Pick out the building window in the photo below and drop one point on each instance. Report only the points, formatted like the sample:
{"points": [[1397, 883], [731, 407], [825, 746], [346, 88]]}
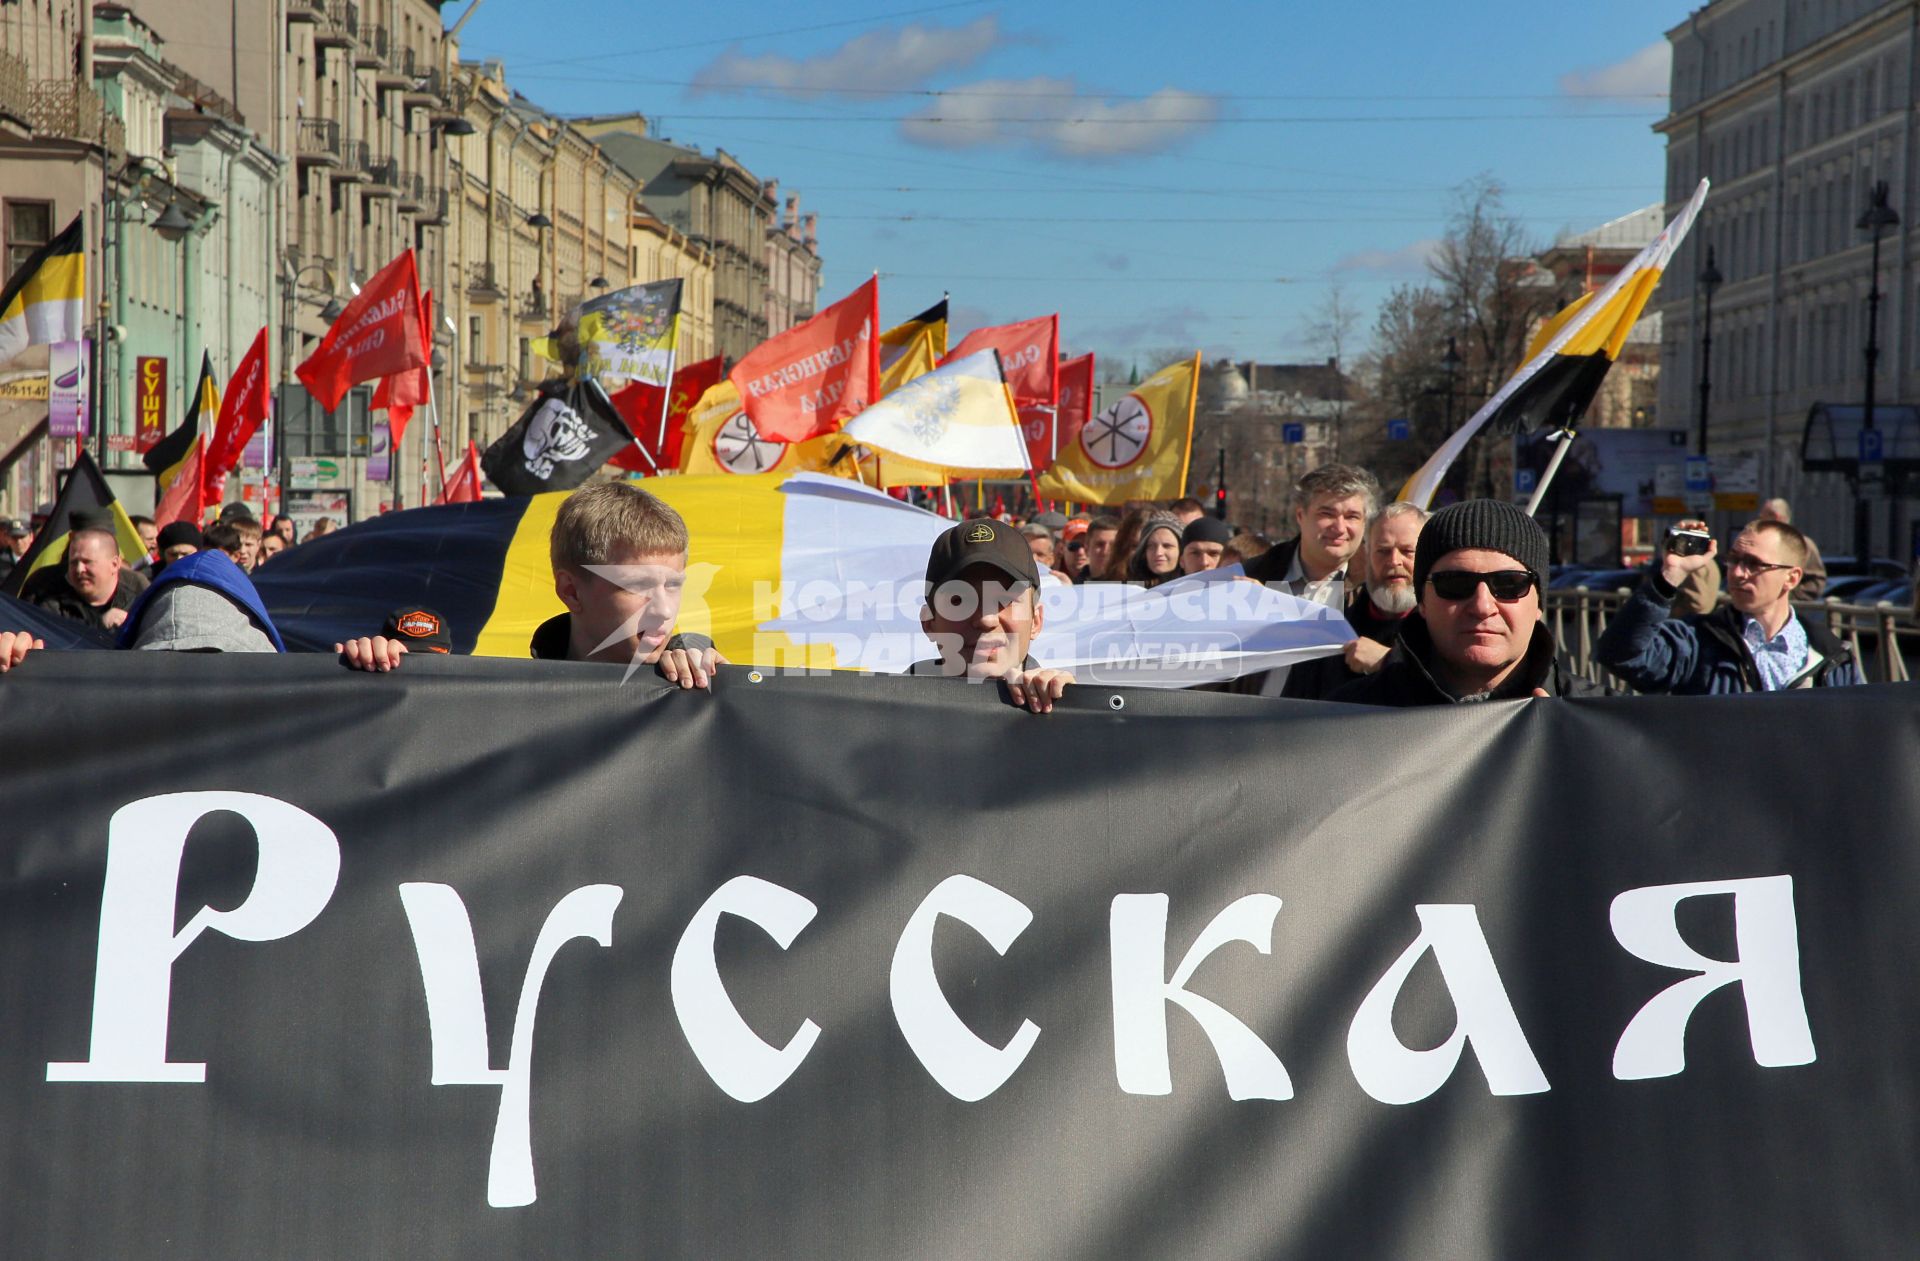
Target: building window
{"points": [[29, 226], [526, 358], [473, 339]]}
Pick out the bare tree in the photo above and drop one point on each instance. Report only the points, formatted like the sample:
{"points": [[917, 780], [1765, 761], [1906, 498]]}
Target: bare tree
{"points": [[1482, 270], [1331, 328]]}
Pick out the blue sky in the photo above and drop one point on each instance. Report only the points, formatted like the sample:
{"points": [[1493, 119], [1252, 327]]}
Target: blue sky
{"points": [[1162, 175]]}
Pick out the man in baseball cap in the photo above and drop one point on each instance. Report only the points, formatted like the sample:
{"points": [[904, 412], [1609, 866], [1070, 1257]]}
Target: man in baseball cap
{"points": [[1478, 571], [982, 611]]}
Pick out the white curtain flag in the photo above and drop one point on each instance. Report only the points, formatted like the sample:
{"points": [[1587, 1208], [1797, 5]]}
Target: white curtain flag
{"points": [[958, 417]]}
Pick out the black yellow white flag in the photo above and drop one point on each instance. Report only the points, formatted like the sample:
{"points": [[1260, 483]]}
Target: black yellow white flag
{"points": [[43, 300], [1568, 358]]}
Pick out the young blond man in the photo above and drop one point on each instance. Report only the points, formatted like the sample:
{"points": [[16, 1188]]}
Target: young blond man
{"points": [[619, 558]]}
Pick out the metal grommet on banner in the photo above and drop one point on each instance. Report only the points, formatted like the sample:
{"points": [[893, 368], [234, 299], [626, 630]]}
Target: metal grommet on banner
{"points": [[754, 676], [1116, 702]]}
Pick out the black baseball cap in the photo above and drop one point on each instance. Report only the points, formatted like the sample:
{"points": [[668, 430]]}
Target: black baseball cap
{"points": [[419, 628], [982, 542]]}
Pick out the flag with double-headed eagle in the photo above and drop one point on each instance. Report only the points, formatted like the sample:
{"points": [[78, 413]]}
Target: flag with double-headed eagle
{"points": [[632, 333]]}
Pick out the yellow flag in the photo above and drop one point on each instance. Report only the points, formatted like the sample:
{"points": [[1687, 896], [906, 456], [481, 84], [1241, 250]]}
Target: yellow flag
{"points": [[720, 439], [1135, 449], [916, 358]]}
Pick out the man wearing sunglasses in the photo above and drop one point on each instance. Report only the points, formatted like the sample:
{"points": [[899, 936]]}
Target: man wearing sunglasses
{"points": [[1478, 571], [1756, 643]]}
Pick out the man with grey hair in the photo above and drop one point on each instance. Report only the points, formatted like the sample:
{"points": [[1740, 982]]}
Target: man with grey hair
{"points": [[1330, 507], [1378, 608]]}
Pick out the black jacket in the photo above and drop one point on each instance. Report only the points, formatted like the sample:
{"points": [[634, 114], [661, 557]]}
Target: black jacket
{"points": [[1406, 678], [554, 637], [1272, 565], [1318, 679], [50, 590]]}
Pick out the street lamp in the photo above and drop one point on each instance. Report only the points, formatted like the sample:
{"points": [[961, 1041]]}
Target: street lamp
{"points": [[538, 220], [1877, 217], [1709, 280]]}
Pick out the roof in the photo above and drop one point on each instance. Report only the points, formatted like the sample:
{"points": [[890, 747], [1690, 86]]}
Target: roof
{"points": [[1631, 231]]}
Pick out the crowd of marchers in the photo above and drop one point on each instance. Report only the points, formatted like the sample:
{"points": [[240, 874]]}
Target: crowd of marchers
{"points": [[1445, 606]]}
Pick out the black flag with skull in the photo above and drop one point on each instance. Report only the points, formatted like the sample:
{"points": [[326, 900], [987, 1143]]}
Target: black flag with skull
{"points": [[565, 434]]}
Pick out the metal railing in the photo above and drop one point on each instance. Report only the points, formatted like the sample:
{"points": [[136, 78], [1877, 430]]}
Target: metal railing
{"points": [[1881, 636], [317, 138], [483, 281], [384, 172], [16, 88], [64, 108]]}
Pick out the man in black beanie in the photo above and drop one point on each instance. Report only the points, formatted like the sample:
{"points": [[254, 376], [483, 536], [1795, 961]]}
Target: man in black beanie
{"points": [[1478, 572], [1201, 544]]}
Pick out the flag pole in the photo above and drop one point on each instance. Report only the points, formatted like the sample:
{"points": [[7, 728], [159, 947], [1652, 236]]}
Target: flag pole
{"points": [[1565, 438], [666, 388], [439, 450]]}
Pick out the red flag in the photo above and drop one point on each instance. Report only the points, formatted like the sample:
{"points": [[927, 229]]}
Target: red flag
{"points": [[1076, 405], [807, 380], [242, 409], [184, 499], [1029, 355], [401, 393], [378, 335], [464, 486], [639, 406]]}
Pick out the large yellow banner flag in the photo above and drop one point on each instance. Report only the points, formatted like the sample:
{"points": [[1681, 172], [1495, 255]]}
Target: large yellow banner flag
{"points": [[1136, 448], [720, 439]]}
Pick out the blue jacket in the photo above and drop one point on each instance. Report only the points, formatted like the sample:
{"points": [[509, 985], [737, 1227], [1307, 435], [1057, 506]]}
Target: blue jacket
{"points": [[1705, 654], [215, 570]]}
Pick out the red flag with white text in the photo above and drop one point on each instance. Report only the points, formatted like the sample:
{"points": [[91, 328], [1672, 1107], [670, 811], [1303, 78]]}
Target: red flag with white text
{"points": [[639, 406], [401, 393], [1029, 356], [808, 380], [243, 407], [378, 335]]}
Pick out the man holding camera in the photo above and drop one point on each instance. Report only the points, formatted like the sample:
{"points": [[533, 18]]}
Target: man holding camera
{"points": [[1755, 644]]}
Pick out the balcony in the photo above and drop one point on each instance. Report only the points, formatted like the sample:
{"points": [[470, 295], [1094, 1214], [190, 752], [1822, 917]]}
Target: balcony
{"points": [[64, 109], [372, 40], [434, 207], [413, 192], [355, 162], [338, 25], [308, 11], [483, 283], [427, 85], [16, 90], [383, 177], [317, 142]]}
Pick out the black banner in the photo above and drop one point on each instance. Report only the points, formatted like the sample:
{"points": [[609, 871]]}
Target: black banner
{"points": [[506, 959]]}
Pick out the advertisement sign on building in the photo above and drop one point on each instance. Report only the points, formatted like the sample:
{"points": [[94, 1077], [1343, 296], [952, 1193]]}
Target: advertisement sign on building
{"points": [[150, 401], [67, 399]]}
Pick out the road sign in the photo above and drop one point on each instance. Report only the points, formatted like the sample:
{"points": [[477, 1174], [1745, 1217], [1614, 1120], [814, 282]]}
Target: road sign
{"points": [[1873, 446], [1524, 480], [1399, 430], [1293, 434], [1699, 475]]}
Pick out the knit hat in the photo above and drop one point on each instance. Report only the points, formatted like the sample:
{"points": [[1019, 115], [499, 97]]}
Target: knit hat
{"points": [[1490, 524], [177, 533], [1137, 563], [1206, 530]]}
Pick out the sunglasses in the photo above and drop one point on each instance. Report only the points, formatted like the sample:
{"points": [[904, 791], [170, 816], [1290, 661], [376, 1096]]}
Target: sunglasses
{"points": [[1506, 585], [1078, 545], [1752, 564]]}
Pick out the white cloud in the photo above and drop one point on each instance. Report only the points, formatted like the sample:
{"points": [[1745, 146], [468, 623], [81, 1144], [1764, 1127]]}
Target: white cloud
{"points": [[1058, 117], [1408, 259], [892, 60], [1644, 73]]}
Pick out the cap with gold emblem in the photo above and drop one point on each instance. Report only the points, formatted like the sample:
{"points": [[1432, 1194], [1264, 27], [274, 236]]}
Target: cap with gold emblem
{"points": [[982, 542]]}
